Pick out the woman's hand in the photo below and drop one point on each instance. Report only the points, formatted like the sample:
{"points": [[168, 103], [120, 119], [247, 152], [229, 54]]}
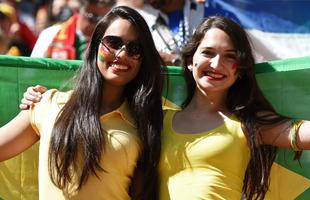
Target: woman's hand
{"points": [[31, 96]]}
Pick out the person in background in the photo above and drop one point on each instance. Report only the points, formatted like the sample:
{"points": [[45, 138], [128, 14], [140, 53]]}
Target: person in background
{"points": [[70, 39], [224, 141], [3, 41], [181, 16], [99, 140], [23, 25], [51, 12], [42, 16], [171, 23], [13, 44], [156, 19]]}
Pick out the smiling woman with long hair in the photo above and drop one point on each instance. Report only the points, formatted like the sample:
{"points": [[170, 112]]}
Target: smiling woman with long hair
{"points": [[224, 140], [95, 138]]}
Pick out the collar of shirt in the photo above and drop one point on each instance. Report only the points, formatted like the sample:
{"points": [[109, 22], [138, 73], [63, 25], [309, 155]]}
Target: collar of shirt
{"points": [[123, 110]]}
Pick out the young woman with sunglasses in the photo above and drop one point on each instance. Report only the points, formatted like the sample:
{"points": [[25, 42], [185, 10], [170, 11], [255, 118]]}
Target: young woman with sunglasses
{"points": [[224, 140], [95, 138]]}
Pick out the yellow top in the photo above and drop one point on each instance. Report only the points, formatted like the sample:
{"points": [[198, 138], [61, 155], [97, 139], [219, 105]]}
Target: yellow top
{"points": [[119, 160], [208, 165]]}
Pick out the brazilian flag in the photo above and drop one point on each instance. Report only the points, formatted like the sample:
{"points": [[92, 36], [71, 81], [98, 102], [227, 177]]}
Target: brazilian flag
{"points": [[285, 83]]}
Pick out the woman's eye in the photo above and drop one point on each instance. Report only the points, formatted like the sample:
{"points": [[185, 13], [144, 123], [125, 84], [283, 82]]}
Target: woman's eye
{"points": [[208, 54], [231, 57]]}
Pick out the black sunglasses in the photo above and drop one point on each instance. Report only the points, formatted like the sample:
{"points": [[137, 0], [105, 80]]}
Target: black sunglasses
{"points": [[115, 43]]}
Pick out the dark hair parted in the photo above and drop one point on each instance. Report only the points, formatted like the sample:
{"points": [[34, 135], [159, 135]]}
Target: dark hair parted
{"points": [[244, 99], [77, 131]]}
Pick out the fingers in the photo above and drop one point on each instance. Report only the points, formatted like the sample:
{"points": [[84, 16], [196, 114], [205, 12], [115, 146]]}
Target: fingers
{"points": [[31, 96], [24, 107], [39, 88]]}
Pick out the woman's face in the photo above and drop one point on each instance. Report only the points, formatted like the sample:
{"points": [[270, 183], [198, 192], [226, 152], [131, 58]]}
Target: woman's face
{"points": [[215, 62], [119, 53]]}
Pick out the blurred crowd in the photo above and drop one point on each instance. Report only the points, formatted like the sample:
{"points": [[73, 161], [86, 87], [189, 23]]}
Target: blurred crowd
{"points": [[61, 28]]}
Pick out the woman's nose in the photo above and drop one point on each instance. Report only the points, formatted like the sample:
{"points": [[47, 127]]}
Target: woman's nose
{"points": [[118, 53], [215, 61]]}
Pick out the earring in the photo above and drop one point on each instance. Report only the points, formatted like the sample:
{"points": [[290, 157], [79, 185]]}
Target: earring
{"points": [[195, 65]]}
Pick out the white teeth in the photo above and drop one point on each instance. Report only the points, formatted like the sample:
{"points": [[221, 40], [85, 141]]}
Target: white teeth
{"points": [[120, 67], [214, 75]]}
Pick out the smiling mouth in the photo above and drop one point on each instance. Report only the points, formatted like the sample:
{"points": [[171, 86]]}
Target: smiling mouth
{"points": [[117, 67], [214, 76]]}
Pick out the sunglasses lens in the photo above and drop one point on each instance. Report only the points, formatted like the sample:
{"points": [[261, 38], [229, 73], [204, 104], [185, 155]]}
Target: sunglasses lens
{"points": [[133, 48], [113, 42]]}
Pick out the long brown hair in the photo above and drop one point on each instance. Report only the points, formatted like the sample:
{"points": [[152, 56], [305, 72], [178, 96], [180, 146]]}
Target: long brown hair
{"points": [[77, 131], [244, 99]]}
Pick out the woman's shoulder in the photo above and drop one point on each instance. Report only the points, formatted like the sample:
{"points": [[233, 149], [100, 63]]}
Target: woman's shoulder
{"points": [[56, 96], [48, 108]]}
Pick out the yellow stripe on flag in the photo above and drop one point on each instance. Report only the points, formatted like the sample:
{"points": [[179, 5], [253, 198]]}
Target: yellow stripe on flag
{"points": [[286, 184]]}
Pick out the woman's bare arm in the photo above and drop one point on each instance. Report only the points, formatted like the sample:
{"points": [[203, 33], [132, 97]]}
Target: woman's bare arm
{"points": [[17, 136], [279, 135]]}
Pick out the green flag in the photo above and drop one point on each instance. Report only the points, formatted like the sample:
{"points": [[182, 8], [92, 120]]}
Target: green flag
{"points": [[284, 82]]}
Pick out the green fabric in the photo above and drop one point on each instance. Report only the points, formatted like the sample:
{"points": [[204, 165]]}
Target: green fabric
{"points": [[285, 83], [17, 73]]}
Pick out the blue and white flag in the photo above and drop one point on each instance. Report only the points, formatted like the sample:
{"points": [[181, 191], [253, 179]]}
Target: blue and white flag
{"points": [[279, 29]]}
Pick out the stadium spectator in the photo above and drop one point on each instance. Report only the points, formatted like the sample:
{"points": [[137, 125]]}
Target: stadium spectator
{"points": [[14, 43], [50, 12], [162, 35], [69, 39]]}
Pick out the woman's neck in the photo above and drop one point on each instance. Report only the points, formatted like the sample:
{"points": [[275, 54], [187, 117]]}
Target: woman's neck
{"points": [[112, 98], [208, 102]]}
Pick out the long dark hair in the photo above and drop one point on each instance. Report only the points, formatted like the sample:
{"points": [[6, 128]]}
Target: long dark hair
{"points": [[244, 99], [77, 131]]}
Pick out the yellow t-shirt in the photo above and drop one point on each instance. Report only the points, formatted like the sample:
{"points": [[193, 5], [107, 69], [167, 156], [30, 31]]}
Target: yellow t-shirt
{"points": [[208, 165], [119, 160]]}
